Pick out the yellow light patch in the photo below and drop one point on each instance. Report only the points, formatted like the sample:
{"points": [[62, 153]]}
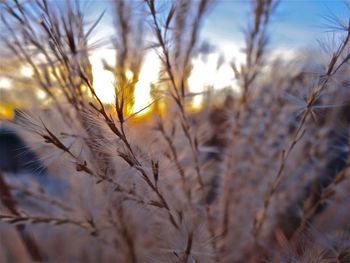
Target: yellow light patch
{"points": [[6, 111]]}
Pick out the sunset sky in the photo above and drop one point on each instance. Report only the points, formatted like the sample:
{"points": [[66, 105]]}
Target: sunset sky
{"points": [[296, 25]]}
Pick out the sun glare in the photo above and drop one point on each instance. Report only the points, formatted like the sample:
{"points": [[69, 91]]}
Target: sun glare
{"points": [[148, 75], [5, 83], [206, 74], [41, 95], [27, 71], [129, 74], [103, 79]]}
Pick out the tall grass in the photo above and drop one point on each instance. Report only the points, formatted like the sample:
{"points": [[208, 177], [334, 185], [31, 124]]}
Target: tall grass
{"points": [[260, 176]]}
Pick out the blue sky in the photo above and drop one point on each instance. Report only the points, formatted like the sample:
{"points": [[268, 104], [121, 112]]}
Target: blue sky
{"points": [[297, 24]]}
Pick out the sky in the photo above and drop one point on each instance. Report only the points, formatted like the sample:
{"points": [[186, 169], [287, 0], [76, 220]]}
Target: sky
{"points": [[297, 24]]}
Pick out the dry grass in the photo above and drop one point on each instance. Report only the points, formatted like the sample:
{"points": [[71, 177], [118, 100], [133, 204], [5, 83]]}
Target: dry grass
{"points": [[260, 176]]}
